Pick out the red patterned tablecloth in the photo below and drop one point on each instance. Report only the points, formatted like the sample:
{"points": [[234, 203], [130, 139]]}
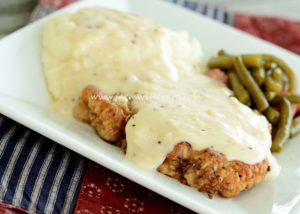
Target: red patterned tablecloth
{"points": [[104, 191], [283, 32]]}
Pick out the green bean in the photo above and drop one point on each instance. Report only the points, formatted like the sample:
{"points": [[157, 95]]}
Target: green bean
{"points": [[247, 80], [286, 69], [259, 75], [252, 60], [272, 115], [226, 62], [222, 53], [276, 100], [276, 74], [223, 62], [295, 129], [292, 98], [270, 65], [271, 85], [282, 132], [238, 89], [270, 95]]}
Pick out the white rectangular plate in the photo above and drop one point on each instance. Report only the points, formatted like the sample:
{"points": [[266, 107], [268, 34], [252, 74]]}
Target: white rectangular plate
{"points": [[24, 98]]}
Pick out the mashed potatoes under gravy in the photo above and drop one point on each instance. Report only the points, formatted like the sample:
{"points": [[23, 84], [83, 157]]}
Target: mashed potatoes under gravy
{"points": [[118, 52]]}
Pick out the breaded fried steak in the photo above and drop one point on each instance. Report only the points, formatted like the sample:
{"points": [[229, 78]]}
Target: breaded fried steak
{"points": [[207, 170]]}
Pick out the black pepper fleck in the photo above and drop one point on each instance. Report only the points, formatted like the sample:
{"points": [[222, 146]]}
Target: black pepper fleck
{"points": [[250, 148], [203, 130], [133, 125], [133, 41], [159, 142]]}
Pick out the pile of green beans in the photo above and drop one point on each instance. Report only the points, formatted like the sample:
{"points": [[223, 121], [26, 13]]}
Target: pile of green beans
{"points": [[267, 84]]}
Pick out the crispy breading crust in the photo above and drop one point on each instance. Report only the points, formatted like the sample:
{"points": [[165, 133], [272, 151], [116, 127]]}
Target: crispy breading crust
{"points": [[107, 116], [207, 170]]}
